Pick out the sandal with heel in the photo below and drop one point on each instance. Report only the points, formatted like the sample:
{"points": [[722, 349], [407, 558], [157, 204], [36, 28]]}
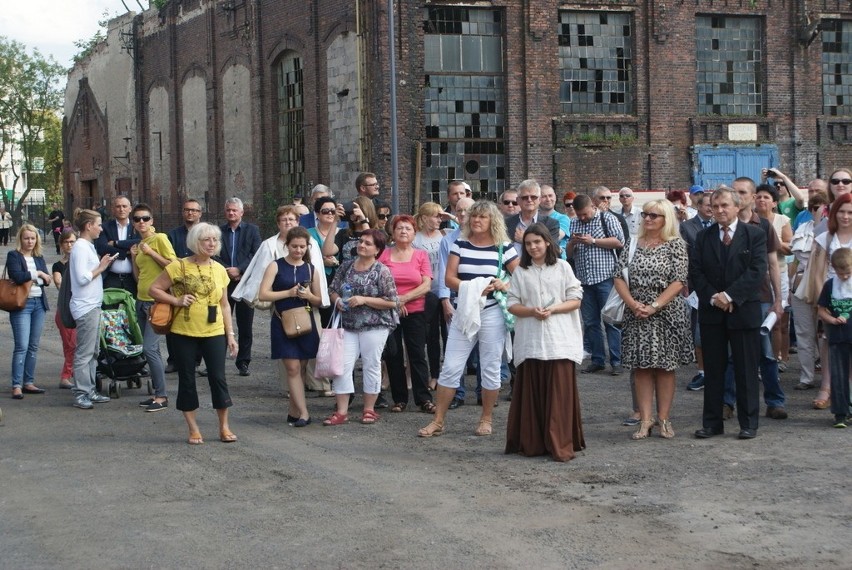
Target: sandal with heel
{"points": [[666, 429], [645, 428]]}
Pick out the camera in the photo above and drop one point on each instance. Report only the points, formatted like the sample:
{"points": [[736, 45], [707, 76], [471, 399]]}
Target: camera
{"points": [[349, 207]]}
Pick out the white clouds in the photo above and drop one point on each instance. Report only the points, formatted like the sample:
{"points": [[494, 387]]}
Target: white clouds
{"points": [[53, 26]]}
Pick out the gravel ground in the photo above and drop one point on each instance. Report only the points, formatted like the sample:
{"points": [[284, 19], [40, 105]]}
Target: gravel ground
{"points": [[119, 488]]}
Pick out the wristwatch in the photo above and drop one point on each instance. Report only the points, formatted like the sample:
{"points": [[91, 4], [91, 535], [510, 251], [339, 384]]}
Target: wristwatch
{"points": [[655, 305], [594, 241]]}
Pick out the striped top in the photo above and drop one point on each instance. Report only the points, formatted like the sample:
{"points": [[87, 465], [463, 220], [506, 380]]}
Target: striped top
{"points": [[475, 261]]}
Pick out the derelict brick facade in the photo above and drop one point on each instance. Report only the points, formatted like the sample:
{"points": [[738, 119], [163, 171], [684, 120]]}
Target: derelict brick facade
{"points": [[225, 57]]}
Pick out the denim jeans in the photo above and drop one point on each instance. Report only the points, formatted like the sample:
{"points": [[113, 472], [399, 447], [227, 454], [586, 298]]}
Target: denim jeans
{"points": [[773, 394], [26, 328], [594, 299], [151, 348]]}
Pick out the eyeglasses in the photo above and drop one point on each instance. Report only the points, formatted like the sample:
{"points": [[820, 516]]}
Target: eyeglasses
{"points": [[837, 181], [625, 195], [510, 202], [383, 216], [192, 210], [569, 204], [607, 198], [327, 211], [141, 219], [528, 198], [373, 184], [651, 215]]}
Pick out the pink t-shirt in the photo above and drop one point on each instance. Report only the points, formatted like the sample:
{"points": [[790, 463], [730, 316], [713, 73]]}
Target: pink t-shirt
{"points": [[409, 276]]}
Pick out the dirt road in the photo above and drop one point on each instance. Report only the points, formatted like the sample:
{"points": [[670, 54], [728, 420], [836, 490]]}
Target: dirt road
{"points": [[118, 488]]}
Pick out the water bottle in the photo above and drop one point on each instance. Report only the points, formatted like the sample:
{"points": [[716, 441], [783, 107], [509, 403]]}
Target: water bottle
{"points": [[346, 294]]}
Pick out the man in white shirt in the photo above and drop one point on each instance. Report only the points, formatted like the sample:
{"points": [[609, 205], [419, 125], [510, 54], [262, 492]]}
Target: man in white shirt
{"points": [[117, 237]]}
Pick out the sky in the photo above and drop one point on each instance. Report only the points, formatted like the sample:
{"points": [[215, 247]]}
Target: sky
{"points": [[53, 26]]}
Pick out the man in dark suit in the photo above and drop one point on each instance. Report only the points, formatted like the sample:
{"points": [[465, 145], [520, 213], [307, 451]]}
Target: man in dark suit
{"points": [[240, 241], [726, 268], [117, 237], [529, 196]]}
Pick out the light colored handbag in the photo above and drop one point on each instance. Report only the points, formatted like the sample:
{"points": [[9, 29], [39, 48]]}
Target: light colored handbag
{"points": [[330, 352], [613, 310]]}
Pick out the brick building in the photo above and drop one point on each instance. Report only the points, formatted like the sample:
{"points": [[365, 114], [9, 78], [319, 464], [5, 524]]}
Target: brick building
{"points": [[263, 99]]}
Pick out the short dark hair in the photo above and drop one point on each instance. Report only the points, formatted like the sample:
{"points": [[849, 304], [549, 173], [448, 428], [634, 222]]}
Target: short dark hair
{"points": [[300, 232], [581, 202], [363, 178], [769, 189], [540, 230], [141, 207], [322, 201], [379, 239]]}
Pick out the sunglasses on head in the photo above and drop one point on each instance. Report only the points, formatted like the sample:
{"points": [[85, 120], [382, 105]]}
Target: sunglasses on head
{"points": [[510, 202], [837, 181], [651, 215], [141, 218]]}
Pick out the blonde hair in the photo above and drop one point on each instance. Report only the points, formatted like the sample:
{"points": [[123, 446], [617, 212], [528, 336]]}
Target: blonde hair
{"points": [[202, 231], [427, 210], [498, 224], [670, 227], [84, 216], [29, 228]]}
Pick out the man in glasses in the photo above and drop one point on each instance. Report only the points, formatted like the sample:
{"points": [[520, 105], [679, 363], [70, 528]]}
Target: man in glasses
{"points": [[508, 203], [367, 185], [117, 237], [630, 213], [529, 200], [815, 186], [602, 197]]}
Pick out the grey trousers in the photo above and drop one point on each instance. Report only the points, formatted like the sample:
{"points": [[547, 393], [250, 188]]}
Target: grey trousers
{"points": [[86, 354]]}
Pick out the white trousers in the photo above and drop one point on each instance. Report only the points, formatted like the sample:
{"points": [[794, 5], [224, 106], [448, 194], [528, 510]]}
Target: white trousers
{"points": [[491, 336], [369, 344]]}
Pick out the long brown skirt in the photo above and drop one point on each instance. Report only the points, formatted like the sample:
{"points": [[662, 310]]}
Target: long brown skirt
{"points": [[544, 417]]}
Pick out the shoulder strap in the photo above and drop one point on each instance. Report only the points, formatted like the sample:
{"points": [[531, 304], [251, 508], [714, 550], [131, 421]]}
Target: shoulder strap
{"points": [[603, 224], [499, 259]]}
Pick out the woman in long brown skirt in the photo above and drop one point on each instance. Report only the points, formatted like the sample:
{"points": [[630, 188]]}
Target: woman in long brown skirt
{"points": [[545, 297]]}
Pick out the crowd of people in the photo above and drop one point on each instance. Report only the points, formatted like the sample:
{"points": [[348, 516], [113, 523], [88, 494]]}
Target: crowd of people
{"points": [[515, 292]]}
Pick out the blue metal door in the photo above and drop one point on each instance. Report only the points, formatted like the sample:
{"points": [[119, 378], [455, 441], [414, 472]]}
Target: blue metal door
{"points": [[721, 164]]}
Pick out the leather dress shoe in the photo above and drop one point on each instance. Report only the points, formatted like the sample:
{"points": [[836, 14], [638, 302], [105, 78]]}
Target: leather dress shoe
{"points": [[591, 368], [170, 369], [747, 433], [96, 398], [457, 402], [705, 433], [243, 368]]}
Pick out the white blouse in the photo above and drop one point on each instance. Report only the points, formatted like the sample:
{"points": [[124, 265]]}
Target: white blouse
{"points": [[558, 337]]}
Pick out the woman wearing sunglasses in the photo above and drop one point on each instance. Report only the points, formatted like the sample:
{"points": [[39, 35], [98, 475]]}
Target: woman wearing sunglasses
{"points": [[150, 256], [656, 338]]}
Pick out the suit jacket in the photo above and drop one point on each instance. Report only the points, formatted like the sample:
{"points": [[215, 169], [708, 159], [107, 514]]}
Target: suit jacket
{"points": [[739, 275], [178, 238], [689, 231], [247, 243], [110, 233], [551, 224], [16, 268]]}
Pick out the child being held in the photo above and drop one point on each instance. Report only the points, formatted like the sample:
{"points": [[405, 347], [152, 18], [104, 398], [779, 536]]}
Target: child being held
{"points": [[834, 309]]}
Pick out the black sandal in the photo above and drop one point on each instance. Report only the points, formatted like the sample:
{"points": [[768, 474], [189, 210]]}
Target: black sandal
{"points": [[427, 408]]}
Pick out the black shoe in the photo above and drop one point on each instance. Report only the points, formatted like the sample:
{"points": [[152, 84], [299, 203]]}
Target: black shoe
{"points": [[617, 370], [776, 413], [630, 421], [302, 422], [747, 433], [243, 368], [591, 368], [146, 403], [705, 433], [291, 419], [697, 383], [158, 406], [457, 402], [381, 403], [170, 369]]}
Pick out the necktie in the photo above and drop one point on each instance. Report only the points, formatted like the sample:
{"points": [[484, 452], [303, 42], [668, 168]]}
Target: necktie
{"points": [[726, 240], [707, 223]]}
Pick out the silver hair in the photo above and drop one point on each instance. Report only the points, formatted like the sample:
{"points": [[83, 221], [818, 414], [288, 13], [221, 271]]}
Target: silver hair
{"points": [[531, 184], [723, 189], [235, 201], [322, 188], [201, 231]]}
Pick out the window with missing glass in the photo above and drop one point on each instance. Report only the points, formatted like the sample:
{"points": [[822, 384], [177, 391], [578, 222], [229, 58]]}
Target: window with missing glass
{"points": [[465, 99], [729, 55], [837, 67], [291, 138], [596, 62]]}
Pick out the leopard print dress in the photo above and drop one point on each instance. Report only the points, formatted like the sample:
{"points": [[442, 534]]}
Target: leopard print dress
{"points": [[664, 340]]}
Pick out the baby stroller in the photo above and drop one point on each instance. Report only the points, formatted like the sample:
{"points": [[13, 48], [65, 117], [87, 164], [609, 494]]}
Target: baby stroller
{"points": [[120, 358]]}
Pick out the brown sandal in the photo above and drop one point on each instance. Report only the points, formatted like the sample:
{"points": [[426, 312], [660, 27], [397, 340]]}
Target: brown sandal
{"points": [[195, 438], [432, 429], [427, 408], [398, 407], [484, 428]]}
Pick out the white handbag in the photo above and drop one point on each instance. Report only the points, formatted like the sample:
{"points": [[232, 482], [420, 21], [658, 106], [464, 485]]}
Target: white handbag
{"points": [[613, 310]]}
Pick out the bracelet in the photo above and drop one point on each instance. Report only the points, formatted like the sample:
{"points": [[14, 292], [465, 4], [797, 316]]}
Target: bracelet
{"points": [[232, 333]]}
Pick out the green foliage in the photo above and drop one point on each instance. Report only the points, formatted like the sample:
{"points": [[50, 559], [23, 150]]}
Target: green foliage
{"points": [[87, 47], [30, 103], [158, 4]]}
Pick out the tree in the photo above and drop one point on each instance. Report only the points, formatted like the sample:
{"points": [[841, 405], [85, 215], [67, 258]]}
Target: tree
{"points": [[30, 101]]}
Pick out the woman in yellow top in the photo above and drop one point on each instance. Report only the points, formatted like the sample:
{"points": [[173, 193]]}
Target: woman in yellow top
{"points": [[199, 287], [149, 257]]}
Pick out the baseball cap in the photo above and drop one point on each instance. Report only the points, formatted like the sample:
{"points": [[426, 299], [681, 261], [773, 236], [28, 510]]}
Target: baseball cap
{"points": [[696, 189]]}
